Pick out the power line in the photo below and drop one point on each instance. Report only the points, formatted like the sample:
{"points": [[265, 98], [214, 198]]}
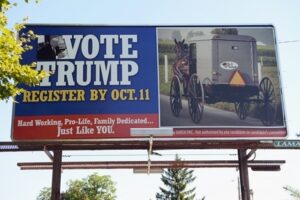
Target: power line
{"points": [[288, 41]]}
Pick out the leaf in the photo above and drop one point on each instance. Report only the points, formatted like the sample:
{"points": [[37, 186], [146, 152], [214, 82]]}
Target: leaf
{"points": [[293, 192], [12, 72]]}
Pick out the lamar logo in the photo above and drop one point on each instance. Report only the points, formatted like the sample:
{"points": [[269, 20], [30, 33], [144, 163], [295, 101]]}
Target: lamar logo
{"points": [[229, 65]]}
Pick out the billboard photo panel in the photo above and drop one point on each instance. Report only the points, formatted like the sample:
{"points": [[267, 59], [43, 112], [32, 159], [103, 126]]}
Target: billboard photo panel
{"points": [[126, 82]]}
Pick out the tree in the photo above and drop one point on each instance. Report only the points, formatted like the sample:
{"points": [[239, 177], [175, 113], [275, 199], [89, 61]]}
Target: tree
{"points": [[293, 192], [228, 31], [177, 181], [12, 72], [94, 187], [45, 194], [193, 33], [176, 34]]}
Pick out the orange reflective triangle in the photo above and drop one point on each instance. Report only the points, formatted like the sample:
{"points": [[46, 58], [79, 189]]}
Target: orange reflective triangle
{"points": [[237, 79]]}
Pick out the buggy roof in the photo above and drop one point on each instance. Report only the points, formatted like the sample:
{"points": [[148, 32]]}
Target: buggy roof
{"points": [[244, 38]]}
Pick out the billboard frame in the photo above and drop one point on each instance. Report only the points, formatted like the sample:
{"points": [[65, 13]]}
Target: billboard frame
{"points": [[160, 128]]}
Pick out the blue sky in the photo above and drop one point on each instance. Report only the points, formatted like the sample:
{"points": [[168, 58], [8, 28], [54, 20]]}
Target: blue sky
{"points": [[212, 183]]}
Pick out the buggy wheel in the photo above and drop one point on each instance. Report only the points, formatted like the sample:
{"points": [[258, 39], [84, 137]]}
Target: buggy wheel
{"points": [[175, 98], [242, 109], [195, 98], [266, 102]]}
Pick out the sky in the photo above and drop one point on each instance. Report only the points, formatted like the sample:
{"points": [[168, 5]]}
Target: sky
{"points": [[212, 183]]}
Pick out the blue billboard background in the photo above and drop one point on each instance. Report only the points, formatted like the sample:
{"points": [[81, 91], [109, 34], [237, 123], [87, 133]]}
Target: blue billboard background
{"points": [[145, 79]]}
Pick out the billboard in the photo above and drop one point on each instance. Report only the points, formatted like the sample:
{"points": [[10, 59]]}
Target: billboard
{"points": [[127, 82]]}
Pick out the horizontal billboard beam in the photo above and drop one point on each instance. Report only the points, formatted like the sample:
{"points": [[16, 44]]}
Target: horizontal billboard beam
{"points": [[144, 144], [259, 164]]}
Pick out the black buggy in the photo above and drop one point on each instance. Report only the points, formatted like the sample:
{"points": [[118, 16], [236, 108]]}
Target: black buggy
{"points": [[220, 68]]}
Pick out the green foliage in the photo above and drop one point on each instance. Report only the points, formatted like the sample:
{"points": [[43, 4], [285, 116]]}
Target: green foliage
{"points": [[164, 88], [268, 61], [266, 51], [193, 33], [266, 55], [45, 194], [166, 46], [171, 58], [12, 72], [228, 31], [94, 187], [176, 181], [176, 34], [293, 192]]}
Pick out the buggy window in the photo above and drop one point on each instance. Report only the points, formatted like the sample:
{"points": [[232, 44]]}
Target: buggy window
{"points": [[193, 58]]}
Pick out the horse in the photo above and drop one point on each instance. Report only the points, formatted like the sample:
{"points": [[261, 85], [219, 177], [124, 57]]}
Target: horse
{"points": [[181, 64]]}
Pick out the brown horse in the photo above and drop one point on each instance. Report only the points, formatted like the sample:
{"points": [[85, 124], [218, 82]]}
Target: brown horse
{"points": [[181, 64]]}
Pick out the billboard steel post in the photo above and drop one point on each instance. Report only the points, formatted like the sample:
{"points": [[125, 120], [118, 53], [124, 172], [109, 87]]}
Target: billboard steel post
{"points": [[56, 175], [244, 178]]}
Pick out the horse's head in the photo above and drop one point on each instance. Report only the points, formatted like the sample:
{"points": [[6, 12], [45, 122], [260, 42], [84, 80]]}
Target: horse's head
{"points": [[181, 48]]}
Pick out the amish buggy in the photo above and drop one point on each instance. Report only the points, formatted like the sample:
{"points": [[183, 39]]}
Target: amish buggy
{"points": [[220, 68]]}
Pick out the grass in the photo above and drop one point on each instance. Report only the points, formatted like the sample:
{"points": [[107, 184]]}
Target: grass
{"points": [[165, 87]]}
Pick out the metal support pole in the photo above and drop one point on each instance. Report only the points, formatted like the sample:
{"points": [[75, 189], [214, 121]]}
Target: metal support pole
{"points": [[149, 154], [56, 175], [244, 177], [47, 152]]}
